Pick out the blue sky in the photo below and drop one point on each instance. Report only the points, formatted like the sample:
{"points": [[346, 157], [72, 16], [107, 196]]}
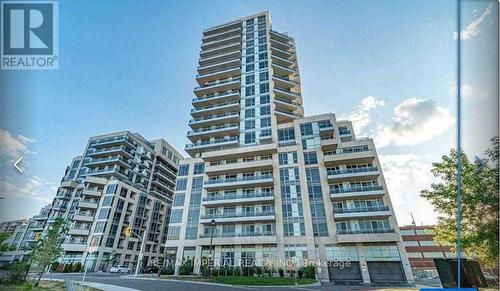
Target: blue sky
{"points": [[388, 65]]}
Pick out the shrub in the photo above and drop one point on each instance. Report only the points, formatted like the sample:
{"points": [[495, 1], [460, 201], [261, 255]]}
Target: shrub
{"points": [[77, 267], [300, 273], [168, 270], [237, 271], [309, 272], [68, 268], [259, 271], [53, 266], [186, 268], [215, 272], [17, 273], [292, 273], [281, 272], [27, 286]]}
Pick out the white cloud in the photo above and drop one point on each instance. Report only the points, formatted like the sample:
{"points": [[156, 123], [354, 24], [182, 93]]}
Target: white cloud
{"points": [[13, 146], [362, 116], [32, 187], [468, 91], [406, 175], [416, 120], [473, 28]]}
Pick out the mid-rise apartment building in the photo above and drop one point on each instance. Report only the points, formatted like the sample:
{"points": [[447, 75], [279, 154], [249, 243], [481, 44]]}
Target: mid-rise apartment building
{"points": [[121, 180], [264, 183], [11, 226]]}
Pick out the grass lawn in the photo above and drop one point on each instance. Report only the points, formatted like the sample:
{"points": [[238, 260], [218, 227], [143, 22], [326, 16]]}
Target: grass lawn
{"points": [[261, 281], [43, 286]]}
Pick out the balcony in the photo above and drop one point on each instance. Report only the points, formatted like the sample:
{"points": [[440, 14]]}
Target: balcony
{"points": [[281, 43], [233, 95], [211, 120], [79, 231], [258, 180], [88, 204], [237, 217], [242, 198], [289, 55], [354, 154], [227, 168], [220, 43], [84, 216], [41, 217], [92, 192], [107, 151], [284, 116], [282, 71], [284, 83], [353, 174], [106, 172], [223, 72], [217, 86], [106, 161], [353, 192], [74, 246], [238, 238], [217, 130], [235, 54], [213, 109], [287, 95], [222, 35], [287, 104], [369, 235], [208, 53], [280, 36], [216, 144], [284, 62], [115, 140], [362, 212], [221, 28]]}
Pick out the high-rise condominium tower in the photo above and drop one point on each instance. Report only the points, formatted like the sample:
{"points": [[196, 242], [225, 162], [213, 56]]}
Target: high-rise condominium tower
{"points": [[267, 183]]}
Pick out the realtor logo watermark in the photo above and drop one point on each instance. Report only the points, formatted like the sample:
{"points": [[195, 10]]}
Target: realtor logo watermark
{"points": [[30, 35]]}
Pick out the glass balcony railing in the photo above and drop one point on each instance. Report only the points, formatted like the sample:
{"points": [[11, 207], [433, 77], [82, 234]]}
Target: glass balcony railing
{"points": [[348, 150], [238, 196], [215, 116], [209, 143], [356, 189], [215, 83], [365, 231], [213, 128], [361, 209], [212, 96], [215, 106], [236, 215], [351, 171], [244, 234], [239, 179]]}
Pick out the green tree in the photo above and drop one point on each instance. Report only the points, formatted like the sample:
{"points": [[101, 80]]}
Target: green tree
{"points": [[48, 249], [5, 247], [479, 201]]}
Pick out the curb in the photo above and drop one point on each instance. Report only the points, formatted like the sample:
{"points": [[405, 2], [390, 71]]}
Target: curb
{"points": [[100, 286], [317, 284]]}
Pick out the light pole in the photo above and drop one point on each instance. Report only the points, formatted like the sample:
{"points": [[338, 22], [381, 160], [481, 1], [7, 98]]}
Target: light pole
{"points": [[139, 258], [212, 223]]}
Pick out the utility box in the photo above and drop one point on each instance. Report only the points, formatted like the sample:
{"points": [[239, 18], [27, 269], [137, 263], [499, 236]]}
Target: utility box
{"points": [[471, 274]]}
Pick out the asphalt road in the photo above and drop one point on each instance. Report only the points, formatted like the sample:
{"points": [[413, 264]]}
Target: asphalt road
{"points": [[154, 285]]}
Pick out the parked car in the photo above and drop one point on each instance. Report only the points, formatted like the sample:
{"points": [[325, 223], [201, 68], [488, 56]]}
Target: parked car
{"points": [[150, 269], [120, 269]]}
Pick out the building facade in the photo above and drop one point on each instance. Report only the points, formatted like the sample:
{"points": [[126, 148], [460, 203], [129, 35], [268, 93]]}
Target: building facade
{"points": [[11, 226], [422, 249], [264, 183], [121, 180]]}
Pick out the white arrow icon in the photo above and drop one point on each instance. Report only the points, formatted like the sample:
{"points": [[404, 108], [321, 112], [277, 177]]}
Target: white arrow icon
{"points": [[16, 165]]}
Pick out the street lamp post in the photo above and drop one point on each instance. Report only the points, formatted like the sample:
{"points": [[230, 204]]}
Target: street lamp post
{"points": [[139, 258], [212, 223]]}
